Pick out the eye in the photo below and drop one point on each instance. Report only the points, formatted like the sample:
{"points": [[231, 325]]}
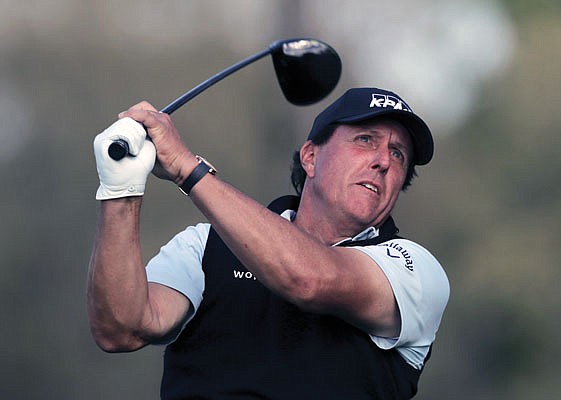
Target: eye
{"points": [[364, 138], [396, 154]]}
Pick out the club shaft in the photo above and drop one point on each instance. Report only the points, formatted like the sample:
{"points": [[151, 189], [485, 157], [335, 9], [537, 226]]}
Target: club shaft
{"points": [[174, 105], [119, 148]]}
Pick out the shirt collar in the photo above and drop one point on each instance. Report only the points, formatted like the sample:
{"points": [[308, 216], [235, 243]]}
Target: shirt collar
{"points": [[369, 233], [289, 215]]}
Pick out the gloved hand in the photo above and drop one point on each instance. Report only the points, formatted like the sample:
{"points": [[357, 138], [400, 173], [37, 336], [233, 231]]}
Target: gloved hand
{"points": [[126, 177]]}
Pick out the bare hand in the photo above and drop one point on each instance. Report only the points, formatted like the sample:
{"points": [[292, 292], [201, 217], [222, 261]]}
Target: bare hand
{"points": [[174, 159]]}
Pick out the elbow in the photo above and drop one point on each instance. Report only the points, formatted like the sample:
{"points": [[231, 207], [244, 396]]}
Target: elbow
{"points": [[305, 293], [113, 334], [108, 346], [111, 342]]}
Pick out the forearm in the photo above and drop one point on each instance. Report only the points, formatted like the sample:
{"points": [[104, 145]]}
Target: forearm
{"points": [[279, 253], [282, 256], [117, 289], [296, 265]]}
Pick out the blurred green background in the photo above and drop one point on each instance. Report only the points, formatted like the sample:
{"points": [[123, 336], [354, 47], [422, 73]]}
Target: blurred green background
{"points": [[485, 75]]}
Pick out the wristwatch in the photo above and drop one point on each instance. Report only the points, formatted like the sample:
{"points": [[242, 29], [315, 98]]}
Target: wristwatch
{"points": [[200, 170]]}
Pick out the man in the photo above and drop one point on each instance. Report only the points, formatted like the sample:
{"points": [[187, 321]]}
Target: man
{"points": [[321, 301]]}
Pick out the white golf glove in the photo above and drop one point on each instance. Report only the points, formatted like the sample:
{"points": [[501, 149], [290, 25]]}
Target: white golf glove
{"points": [[126, 177]]}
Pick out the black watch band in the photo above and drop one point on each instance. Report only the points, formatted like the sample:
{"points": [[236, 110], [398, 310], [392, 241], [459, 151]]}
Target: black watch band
{"points": [[200, 170]]}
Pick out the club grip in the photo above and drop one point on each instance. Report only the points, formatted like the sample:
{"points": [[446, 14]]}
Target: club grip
{"points": [[118, 149]]}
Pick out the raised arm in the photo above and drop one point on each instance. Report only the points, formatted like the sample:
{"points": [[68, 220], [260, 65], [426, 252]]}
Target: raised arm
{"points": [[296, 265], [125, 312]]}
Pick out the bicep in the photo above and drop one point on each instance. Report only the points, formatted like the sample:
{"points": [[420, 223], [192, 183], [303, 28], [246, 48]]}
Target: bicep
{"points": [[361, 294], [176, 283], [168, 310]]}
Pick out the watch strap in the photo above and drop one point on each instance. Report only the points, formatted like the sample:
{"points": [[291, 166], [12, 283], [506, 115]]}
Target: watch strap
{"points": [[198, 173]]}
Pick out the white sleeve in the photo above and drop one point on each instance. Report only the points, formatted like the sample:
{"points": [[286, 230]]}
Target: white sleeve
{"points": [[421, 290], [178, 265]]}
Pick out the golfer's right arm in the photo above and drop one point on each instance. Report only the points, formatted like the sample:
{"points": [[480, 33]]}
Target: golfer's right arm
{"points": [[125, 312]]}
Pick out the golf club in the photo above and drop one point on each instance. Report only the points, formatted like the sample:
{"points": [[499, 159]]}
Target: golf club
{"points": [[307, 71]]}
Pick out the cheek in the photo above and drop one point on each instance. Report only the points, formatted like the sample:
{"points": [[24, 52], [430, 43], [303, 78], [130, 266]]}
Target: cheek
{"points": [[325, 164], [398, 179]]}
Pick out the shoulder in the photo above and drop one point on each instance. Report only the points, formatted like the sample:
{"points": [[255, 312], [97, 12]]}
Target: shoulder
{"points": [[194, 236], [404, 256], [418, 280], [178, 263], [412, 268]]}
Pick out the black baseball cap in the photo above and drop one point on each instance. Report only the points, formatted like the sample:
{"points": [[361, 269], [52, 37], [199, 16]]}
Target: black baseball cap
{"points": [[361, 104]]}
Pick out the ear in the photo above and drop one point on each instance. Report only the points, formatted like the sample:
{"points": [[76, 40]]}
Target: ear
{"points": [[308, 153]]}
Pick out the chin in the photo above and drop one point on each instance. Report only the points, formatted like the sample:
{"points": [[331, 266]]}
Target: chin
{"points": [[366, 221]]}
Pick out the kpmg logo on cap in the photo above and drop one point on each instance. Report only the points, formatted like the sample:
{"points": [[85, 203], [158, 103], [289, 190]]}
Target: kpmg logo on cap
{"points": [[385, 101]]}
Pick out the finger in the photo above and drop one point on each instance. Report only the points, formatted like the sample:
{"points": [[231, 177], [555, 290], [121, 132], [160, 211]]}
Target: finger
{"points": [[147, 155], [147, 116], [126, 129], [139, 111], [143, 105]]}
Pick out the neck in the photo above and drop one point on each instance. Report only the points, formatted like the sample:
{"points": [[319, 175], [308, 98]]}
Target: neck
{"points": [[318, 229], [324, 224]]}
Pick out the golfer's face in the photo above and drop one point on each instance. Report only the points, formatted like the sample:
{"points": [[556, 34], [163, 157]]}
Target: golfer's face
{"points": [[361, 169]]}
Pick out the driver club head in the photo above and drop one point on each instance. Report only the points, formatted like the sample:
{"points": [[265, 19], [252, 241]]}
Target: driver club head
{"points": [[307, 69]]}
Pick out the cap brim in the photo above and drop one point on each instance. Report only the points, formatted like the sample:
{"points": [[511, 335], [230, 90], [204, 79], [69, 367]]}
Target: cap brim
{"points": [[419, 131]]}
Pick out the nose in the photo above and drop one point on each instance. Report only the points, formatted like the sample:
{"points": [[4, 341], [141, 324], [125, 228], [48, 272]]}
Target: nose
{"points": [[381, 161]]}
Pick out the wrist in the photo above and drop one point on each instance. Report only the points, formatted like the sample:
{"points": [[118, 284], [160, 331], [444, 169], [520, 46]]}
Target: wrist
{"points": [[191, 162], [202, 168], [107, 192]]}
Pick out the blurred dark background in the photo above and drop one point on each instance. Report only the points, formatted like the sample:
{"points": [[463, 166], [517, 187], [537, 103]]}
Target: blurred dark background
{"points": [[485, 75]]}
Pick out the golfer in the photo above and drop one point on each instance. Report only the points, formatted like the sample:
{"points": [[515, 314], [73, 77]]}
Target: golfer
{"points": [[313, 297]]}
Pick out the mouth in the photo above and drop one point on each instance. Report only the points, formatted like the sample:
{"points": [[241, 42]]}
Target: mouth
{"points": [[370, 187]]}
